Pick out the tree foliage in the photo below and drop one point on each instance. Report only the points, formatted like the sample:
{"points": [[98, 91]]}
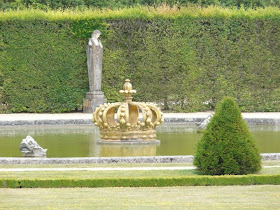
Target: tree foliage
{"points": [[186, 60], [227, 146], [82, 4]]}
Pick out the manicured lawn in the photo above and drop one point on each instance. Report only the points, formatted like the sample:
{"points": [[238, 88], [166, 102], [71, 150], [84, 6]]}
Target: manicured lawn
{"points": [[221, 197], [198, 197], [112, 174], [94, 174], [112, 165]]}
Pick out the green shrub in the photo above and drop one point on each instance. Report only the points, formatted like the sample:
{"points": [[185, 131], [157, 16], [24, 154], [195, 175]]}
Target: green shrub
{"points": [[39, 74], [227, 146], [62, 4], [185, 59], [143, 182]]}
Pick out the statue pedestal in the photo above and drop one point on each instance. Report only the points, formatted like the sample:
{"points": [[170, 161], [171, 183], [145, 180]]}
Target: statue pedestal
{"points": [[93, 100]]}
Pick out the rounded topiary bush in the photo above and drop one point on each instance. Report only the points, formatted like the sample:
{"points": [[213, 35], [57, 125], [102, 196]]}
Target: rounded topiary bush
{"points": [[227, 146]]}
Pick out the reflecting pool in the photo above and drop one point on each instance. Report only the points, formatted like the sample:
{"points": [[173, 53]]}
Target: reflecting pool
{"points": [[80, 141]]}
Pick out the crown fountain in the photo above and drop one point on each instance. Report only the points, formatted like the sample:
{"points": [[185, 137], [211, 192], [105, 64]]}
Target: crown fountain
{"points": [[128, 122]]}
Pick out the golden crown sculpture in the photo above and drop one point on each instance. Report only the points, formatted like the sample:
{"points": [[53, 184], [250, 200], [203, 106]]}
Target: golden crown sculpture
{"points": [[128, 121]]}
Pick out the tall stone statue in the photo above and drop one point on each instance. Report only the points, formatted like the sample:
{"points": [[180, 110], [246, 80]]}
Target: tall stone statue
{"points": [[95, 96]]}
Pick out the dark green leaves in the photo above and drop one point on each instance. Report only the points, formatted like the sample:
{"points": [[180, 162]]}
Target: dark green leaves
{"points": [[227, 146]]}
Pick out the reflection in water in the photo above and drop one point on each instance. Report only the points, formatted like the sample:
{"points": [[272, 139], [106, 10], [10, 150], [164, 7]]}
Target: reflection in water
{"points": [[80, 141], [107, 150]]}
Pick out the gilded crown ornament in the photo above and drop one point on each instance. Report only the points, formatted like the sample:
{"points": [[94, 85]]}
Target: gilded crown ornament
{"points": [[128, 121]]}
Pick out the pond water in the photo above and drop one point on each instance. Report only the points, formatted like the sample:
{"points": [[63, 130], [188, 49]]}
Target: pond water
{"points": [[80, 141]]}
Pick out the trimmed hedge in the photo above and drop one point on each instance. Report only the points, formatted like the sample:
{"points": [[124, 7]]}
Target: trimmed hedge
{"points": [[80, 4], [146, 182], [186, 59], [227, 146]]}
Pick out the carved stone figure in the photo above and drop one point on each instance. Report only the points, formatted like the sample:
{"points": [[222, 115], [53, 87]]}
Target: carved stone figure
{"points": [[30, 148], [202, 126], [95, 96]]}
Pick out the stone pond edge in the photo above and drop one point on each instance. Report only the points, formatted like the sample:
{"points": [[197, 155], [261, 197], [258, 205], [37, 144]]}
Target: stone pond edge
{"points": [[167, 120], [112, 160]]}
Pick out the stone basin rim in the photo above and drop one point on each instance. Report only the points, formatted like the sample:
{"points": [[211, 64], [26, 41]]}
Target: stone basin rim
{"points": [[113, 160], [23, 119]]}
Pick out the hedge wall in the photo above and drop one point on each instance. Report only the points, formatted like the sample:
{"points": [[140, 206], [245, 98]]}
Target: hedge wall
{"points": [[81, 4], [186, 59], [144, 182]]}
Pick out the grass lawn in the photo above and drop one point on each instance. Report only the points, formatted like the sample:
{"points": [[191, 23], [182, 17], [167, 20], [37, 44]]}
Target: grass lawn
{"points": [[222, 197], [198, 197], [113, 174], [112, 165]]}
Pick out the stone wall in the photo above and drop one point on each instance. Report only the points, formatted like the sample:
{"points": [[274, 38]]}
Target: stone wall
{"points": [[115, 160]]}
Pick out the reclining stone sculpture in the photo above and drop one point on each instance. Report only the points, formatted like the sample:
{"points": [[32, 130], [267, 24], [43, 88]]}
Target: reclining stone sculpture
{"points": [[30, 148]]}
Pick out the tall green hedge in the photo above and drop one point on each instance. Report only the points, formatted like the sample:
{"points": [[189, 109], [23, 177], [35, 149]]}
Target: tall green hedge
{"points": [[185, 59], [81, 4]]}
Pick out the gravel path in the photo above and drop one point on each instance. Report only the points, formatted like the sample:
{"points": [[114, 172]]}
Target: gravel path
{"points": [[98, 169]]}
